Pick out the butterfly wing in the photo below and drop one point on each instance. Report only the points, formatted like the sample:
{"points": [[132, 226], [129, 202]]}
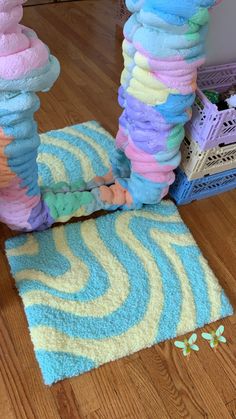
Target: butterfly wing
{"points": [[220, 331], [179, 344], [195, 347], [222, 339], [206, 336], [192, 339]]}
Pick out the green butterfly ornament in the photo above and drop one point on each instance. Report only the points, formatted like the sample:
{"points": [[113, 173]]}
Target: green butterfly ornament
{"points": [[215, 337], [188, 345]]}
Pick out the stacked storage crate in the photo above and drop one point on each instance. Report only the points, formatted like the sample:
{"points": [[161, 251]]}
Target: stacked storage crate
{"points": [[209, 150]]}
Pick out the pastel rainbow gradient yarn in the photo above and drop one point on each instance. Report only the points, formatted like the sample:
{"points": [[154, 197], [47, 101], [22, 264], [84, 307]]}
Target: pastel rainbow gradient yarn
{"points": [[27, 67], [163, 47], [110, 286]]}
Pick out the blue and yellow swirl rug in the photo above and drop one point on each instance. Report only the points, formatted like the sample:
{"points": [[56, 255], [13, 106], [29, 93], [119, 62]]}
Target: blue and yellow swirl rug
{"points": [[102, 289]]}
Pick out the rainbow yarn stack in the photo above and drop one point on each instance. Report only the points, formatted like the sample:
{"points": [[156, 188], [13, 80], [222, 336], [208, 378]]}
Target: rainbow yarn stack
{"points": [[163, 47], [26, 67]]}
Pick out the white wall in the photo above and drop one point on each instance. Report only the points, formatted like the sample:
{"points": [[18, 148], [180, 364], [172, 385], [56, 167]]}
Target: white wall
{"points": [[221, 46]]}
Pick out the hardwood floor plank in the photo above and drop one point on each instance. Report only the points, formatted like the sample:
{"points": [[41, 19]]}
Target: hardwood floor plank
{"points": [[96, 415], [65, 400], [114, 388], [179, 395], [206, 389], [231, 406], [212, 228], [85, 394], [220, 367], [7, 408], [11, 380], [142, 382]]}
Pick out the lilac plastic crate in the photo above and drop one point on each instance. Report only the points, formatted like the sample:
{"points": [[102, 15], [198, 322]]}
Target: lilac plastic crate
{"points": [[210, 127], [184, 191]]}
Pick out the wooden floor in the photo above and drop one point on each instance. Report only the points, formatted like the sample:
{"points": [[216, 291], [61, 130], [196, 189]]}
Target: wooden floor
{"points": [[155, 383]]}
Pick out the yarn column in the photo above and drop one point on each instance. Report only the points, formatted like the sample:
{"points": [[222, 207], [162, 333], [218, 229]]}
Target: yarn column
{"points": [[26, 67], [163, 47]]}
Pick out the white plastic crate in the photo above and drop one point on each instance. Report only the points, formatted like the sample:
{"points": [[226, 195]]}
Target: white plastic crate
{"points": [[210, 127], [197, 163]]}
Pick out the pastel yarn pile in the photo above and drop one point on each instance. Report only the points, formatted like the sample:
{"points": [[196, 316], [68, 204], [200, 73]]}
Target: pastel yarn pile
{"points": [[163, 47], [26, 67]]}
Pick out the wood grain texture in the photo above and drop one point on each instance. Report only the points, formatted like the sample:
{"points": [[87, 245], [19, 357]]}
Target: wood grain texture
{"points": [[154, 383], [38, 2]]}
